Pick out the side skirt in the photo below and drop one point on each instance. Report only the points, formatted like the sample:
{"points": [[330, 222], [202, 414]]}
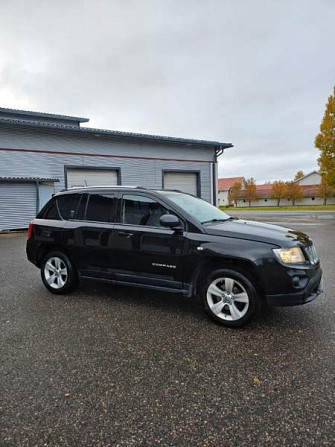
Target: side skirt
{"points": [[185, 292]]}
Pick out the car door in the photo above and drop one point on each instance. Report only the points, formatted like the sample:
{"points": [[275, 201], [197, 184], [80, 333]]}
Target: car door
{"points": [[88, 235], [145, 252]]}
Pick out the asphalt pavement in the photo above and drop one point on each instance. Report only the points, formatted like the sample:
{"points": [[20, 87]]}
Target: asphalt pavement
{"points": [[117, 366]]}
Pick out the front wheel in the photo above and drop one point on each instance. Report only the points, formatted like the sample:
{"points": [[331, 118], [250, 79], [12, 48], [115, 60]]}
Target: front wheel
{"points": [[230, 298], [58, 273]]}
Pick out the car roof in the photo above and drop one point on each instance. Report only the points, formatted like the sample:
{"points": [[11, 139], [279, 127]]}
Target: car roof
{"points": [[114, 187]]}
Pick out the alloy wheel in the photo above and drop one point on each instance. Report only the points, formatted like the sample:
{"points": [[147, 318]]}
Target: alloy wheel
{"points": [[227, 299], [55, 272]]}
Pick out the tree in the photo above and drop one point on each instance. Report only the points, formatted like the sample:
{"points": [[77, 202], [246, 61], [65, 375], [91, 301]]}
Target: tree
{"points": [[235, 192], [250, 192], [293, 192], [325, 191], [279, 191], [325, 142], [298, 175]]}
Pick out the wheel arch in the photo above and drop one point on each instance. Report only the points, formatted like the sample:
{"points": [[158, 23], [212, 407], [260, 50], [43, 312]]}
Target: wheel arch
{"points": [[44, 249], [245, 267]]}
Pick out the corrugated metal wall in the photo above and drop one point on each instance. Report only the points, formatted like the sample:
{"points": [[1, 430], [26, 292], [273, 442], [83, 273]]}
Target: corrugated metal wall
{"points": [[147, 173], [17, 205], [142, 172], [42, 139]]}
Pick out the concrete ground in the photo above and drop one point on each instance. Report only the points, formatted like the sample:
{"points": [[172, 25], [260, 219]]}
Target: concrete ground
{"points": [[116, 366]]}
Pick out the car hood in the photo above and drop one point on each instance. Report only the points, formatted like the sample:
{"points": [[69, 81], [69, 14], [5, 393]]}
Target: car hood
{"points": [[258, 231]]}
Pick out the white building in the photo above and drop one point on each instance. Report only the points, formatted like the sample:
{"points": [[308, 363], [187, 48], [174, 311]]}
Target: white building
{"points": [[309, 184], [224, 187]]}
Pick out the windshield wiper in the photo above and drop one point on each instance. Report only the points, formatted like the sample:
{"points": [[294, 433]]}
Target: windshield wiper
{"points": [[217, 220]]}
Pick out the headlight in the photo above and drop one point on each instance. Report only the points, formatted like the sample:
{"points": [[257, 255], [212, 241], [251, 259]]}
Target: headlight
{"points": [[291, 255]]}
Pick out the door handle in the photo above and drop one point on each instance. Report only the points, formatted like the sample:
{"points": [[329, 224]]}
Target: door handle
{"points": [[125, 234]]}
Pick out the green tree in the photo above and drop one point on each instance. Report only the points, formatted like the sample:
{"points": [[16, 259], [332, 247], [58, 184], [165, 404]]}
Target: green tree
{"points": [[325, 142], [293, 192], [279, 191], [235, 192], [325, 191], [298, 175], [250, 192]]}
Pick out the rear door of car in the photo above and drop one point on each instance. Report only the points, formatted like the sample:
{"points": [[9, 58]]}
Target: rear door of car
{"points": [[88, 233]]}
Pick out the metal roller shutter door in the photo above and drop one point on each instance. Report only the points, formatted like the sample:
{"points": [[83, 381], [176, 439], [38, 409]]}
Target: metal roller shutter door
{"points": [[91, 177], [183, 181], [17, 205]]}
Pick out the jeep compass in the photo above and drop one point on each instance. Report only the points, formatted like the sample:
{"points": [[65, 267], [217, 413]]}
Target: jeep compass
{"points": [[173, 242]]}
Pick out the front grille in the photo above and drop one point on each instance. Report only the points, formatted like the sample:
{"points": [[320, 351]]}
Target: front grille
{"points": [[311, 254]]}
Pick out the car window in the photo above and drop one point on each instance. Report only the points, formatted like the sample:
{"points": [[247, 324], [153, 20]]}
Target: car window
{"points": [[67, 205], [201, 210], [81, 209], [52, 211], [101, 208], [140, 210]]}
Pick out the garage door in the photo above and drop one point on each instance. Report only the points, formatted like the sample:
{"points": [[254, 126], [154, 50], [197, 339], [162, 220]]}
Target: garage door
{"points": [[183, 181], [91, 177], [17, 205]]}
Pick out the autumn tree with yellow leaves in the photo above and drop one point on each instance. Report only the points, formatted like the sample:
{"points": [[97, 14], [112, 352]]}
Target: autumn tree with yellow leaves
{"points": [[278, 191], [325, 142], [250, 192], [293, 192]]}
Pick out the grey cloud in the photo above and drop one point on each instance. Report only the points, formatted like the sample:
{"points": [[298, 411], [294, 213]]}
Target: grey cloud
{"points": [[256, 74]]}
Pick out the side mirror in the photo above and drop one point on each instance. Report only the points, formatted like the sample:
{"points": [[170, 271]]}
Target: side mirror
{"points": [[170, 221]]}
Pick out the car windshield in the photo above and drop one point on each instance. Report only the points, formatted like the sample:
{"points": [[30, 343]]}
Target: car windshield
{"points": [[201, 210]]}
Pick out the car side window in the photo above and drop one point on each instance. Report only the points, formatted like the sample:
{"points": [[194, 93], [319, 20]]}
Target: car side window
{"points": [[51, 212], [101, 208], [140, 210], [67, 205], [81, 209]]}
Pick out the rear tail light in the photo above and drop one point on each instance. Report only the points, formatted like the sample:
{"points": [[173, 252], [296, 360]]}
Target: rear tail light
{"points": [[30, 229]]}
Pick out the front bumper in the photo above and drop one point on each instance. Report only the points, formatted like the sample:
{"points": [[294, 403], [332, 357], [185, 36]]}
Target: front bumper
{"points": [[312, 290]]}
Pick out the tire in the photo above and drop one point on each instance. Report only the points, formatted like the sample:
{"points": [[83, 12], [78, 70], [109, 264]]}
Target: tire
{"points": [[58, 273], [230, 298]]}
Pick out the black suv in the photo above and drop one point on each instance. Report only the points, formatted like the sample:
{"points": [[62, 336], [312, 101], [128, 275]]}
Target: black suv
{"points": [[172, 242]]}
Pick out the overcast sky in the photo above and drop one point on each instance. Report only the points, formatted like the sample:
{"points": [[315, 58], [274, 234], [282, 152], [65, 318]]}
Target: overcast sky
{"points": [[253, 73]]}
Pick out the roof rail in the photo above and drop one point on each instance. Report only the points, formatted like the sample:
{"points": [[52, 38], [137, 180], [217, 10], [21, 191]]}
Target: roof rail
{"points": [[103, 186]]}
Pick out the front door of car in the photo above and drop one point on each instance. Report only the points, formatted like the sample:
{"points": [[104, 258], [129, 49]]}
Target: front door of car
{"points": [[144, 251]]}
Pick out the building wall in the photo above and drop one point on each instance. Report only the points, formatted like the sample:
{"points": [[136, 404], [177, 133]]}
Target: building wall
{"points": [[313, 179], [285, 202], [44, 153], [223, 199]]}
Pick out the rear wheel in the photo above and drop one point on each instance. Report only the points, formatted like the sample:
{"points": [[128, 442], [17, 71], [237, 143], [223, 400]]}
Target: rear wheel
{"points": [[230, 298], [58, 273]]}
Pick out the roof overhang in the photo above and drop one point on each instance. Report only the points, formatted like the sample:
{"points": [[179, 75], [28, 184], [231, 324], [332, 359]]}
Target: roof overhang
{"points": [[22, 179], [43, 115]]}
